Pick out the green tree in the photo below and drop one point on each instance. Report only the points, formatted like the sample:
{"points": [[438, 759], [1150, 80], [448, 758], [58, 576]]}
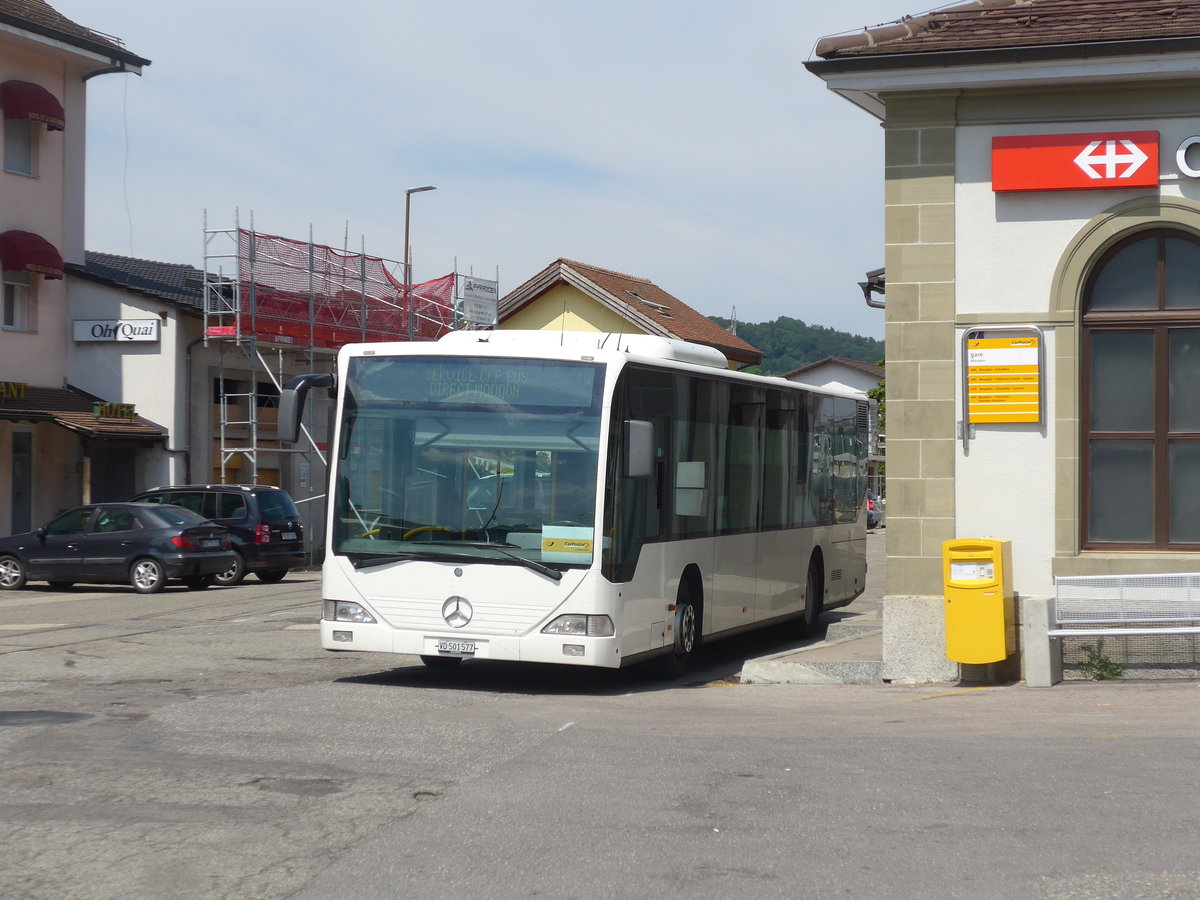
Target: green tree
{"points": [[788, 344]]}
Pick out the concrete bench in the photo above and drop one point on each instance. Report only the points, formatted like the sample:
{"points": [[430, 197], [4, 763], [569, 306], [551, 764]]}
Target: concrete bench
{"points": [[1103, 606]]}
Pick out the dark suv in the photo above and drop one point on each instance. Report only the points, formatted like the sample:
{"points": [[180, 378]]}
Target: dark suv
{"points": [[263, 524]]}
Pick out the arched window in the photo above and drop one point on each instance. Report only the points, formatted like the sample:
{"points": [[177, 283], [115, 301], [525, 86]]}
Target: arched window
{"points": [[1141, 395]]}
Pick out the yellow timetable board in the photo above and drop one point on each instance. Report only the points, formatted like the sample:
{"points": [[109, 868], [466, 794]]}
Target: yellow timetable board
{"points": [[1003, 379]]}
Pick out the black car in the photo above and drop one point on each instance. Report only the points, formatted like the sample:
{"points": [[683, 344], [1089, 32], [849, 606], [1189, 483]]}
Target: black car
{"points": [[267, 534], [118, 543]]}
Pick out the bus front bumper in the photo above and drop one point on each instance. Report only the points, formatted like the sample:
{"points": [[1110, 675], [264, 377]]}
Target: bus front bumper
{"points": [[544, 648]]}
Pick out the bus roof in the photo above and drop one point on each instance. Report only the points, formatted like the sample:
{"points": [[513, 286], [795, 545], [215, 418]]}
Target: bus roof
{"points": [[638, 344], [643, 347]]}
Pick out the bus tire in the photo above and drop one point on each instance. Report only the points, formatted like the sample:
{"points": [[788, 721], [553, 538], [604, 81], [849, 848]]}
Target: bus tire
{"points": [[686, 635], [814, 597]]}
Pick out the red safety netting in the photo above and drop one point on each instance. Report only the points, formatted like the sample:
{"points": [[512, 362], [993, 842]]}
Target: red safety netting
{"points": [[294, 292]]}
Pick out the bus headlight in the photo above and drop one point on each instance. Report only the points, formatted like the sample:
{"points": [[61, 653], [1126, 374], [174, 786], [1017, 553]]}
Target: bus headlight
{"points": [[592, 626], [341, 611]]}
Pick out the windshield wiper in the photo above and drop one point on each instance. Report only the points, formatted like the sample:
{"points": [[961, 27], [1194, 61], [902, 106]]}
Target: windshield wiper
{"points": [[478, 545], [499, 548], [363, 562]]}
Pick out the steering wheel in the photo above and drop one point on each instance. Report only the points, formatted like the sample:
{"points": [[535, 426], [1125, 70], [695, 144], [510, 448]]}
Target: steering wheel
{"points": [[423, 528]]}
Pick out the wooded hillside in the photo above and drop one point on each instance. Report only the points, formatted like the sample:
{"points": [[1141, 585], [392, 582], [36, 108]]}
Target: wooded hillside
{"points": [[788, 343]]}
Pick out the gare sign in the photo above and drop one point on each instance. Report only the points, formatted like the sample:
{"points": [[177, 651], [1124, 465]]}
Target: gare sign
{"points": [[1063, 162]]}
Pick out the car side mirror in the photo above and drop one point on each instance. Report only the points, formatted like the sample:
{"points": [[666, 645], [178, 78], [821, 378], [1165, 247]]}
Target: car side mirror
{"points": [[41, 533]]}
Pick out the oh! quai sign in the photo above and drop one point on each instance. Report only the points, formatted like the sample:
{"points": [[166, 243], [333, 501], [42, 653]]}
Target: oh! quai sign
{"points": [[116, 329]]}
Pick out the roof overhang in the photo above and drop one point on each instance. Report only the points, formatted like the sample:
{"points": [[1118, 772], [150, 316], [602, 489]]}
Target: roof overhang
{"points": [[75, 411], [94, 56], [865, 80]]}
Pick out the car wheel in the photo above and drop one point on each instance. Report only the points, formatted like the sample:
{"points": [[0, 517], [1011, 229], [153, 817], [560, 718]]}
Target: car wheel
{"points": [[686, 631], [235, 573], [12, 573], [441, 662], [62, 585], [199, 582], [147, 575], [271, 576]]}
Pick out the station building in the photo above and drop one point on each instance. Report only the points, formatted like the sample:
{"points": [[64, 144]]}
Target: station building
{"points": [[1042, 258]]}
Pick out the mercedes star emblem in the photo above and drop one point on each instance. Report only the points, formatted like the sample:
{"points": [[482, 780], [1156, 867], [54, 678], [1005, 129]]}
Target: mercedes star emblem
{"points": [[457, 611]]}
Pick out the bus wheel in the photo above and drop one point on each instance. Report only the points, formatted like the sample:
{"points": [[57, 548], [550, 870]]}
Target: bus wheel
{"points": [[687, 630], [441, 662], [814, 600]]}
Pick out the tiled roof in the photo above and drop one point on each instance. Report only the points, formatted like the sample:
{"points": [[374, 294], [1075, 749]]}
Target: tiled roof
{"points": [[176, 283], [41, 18], [74, 409], [865, 368], [1008, 24], [643, 303]]}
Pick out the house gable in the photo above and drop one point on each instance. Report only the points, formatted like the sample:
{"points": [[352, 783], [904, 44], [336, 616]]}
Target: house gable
{"points": [[577, 297]]}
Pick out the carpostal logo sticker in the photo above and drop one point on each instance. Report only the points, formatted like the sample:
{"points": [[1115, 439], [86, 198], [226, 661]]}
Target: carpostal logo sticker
{"points": [[566, 545]]}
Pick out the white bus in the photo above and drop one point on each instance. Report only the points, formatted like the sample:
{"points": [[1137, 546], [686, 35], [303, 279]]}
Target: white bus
{"points": [[589, 499]]}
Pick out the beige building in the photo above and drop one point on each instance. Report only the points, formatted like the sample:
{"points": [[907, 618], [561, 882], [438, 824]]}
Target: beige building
{"points": [[1042, 227], [54, 436], [573, 296]]}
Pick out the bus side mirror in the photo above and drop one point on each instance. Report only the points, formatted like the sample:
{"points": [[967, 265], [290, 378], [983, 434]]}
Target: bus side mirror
{"points": [[291, 403], [639, 448]]}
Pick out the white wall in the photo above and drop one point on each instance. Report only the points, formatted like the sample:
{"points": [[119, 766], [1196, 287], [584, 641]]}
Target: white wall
{"points": [[842, 374]]}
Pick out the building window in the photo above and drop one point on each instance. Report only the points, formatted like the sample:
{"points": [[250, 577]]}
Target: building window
{"points": [[1141, 408], [20, 310], [20, 138]]}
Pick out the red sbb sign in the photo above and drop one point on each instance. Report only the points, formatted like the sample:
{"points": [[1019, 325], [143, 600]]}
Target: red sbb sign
{"points": [[1072, 162]]}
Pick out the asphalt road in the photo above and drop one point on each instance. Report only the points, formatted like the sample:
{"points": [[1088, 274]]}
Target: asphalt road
{"points": [[199, 744]]}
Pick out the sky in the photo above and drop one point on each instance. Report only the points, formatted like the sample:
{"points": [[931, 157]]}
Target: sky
{"points": [[682, 141]]}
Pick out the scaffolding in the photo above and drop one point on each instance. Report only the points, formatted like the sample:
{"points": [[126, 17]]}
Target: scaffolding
{"points": [[270, 296]]}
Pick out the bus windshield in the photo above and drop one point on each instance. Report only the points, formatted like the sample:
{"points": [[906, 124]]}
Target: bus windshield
{"points": [[468, 459]]}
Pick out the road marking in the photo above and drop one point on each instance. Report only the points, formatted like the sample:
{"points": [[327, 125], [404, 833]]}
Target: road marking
{"points": [[303, 628], [32, 627], [10, 602], [946, 694]]}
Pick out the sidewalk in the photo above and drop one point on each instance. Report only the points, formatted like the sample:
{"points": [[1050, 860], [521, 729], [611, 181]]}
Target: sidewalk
{"points": [[851, 651]]}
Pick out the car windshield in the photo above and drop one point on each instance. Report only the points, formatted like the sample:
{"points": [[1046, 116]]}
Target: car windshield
{"points": [[496, 457]]}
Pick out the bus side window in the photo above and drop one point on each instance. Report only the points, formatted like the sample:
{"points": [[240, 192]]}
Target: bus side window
{"points": [[701, 403], [802, 511], [743, 472], [780, 424]]}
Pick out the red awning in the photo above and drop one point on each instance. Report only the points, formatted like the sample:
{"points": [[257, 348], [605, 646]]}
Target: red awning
{"points": [[25, 100], [23, 251]]}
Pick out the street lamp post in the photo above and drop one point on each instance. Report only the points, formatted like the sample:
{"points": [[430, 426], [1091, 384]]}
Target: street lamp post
{"points": [[407, 264]]}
